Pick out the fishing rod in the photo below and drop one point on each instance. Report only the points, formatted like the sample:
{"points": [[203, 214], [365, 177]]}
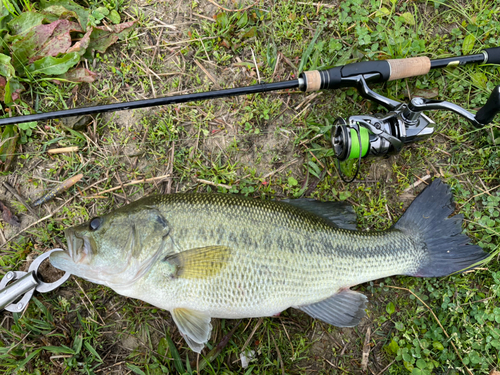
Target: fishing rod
{"points": [[376, 135]]}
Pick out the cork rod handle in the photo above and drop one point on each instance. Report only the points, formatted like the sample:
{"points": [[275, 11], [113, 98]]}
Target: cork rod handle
{"points": [[411, 67]]}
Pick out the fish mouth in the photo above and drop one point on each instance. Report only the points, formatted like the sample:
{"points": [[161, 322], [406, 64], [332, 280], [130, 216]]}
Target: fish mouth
{"points": [[79, 248]]}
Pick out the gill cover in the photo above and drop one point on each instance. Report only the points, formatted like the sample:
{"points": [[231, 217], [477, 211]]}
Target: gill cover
{"points": [[117, 250]]}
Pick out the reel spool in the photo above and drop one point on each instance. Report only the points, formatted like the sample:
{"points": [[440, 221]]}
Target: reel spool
{"points": [[360, 137], [347, 151]]}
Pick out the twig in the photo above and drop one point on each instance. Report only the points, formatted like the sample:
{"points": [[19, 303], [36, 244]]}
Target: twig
{"points": [[366, 350], [444, 152], [432, 166], [477, 195], [134, 182], [319, 162], [485, 188], [207, 73], [386, 367], [290, 341], [318, 5], [233, 10], [256, 66], [85, 294], [437, 320], [28, 227], [20, 199], [259, 322], [280, 168], [185, 41], [62, 150], [476, 269], [279, 356], [338, 368], [416, 183], [205, 17], [213, 183], [308, 99], [107, 368]]}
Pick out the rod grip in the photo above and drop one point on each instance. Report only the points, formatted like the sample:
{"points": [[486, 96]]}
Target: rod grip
{"points": [[315, 80], [493, 55], [411, 67]]}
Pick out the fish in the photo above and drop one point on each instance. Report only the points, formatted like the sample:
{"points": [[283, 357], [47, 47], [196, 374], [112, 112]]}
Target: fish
{"points": [[203, 256]]}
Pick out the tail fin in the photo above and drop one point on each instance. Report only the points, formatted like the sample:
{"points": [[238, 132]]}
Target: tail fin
{"points": [[448, 250]]}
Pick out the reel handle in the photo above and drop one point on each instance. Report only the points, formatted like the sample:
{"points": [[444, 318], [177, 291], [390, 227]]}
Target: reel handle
{"points": [[484, 116], [488, 112]]}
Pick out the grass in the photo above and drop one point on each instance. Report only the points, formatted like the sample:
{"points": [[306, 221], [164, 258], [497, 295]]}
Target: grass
{"points": [[264, 146]]}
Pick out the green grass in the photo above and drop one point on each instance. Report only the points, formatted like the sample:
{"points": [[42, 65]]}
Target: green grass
{"points": [[261, 146]]}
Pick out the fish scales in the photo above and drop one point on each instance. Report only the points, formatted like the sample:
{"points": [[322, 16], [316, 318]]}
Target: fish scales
{"points": [[224, 256], [281, 255]]}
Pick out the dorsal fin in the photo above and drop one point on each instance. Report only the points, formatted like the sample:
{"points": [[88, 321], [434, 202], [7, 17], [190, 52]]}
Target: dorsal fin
{"points": [[339, 213]]}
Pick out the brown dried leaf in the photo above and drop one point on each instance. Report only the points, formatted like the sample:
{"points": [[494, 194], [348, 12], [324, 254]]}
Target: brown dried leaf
{"points": [[8, 217], [426, 94], [104, 36], [82, 44], [59, 41], [79, 75]]}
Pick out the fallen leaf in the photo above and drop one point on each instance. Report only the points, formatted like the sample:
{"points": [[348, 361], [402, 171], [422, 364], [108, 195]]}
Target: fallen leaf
{"points": [[29, 45], [60, 40], [426, 94], [79, 75], [8, 217], [25, 22], [81, 12], [104, 36], [56, 12], [82, 44]]}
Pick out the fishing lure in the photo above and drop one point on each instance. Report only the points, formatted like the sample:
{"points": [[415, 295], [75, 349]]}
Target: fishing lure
{"points": [[58, 189]]}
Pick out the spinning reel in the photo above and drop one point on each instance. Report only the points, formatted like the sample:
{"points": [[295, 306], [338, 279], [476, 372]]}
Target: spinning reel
{"points": [[382, 135]]}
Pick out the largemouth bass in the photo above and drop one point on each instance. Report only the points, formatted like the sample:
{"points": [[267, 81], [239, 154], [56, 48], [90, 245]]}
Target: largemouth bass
{"points": [[204, 256]]}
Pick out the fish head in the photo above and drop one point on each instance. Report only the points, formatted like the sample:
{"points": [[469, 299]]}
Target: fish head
{"points": [[115, 249]]}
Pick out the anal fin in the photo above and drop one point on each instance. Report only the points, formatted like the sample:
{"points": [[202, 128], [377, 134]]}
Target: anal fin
{"points": [[344, 309], [194, 326]]}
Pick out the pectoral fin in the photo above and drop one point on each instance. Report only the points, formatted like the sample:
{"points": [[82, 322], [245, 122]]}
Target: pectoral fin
{"points": [[200, 263], [344, 309], [194, 326]]}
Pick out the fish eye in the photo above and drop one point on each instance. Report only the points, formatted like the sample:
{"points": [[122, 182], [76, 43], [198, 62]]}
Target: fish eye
{"points": [[95, 223]]}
